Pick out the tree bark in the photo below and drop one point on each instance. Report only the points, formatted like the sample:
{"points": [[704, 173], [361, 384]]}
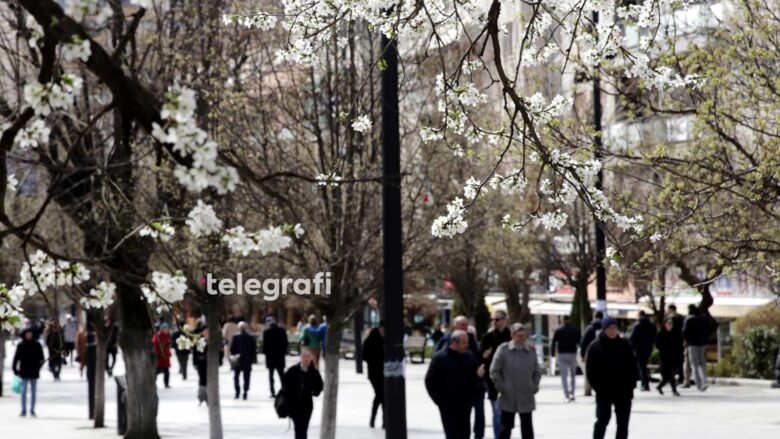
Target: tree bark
{"points": [[580, 307], [135, 340], [213, 310], [2, 360], [100, 369], [331, 378]]}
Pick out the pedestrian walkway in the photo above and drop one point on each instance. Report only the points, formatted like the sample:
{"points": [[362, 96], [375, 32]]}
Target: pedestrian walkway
{"points": [[719, 413]]}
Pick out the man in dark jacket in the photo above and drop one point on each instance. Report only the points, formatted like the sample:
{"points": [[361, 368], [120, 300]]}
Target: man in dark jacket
{"points": [[564, 345], [490, 343], [182, 353], [451, 381], [275, 349], [642, 339], [299, 384], [243, 349], [610, 366], [374, 356], [461, 323], [587, 338], [696, 331], [678, 343], [27, 363]]}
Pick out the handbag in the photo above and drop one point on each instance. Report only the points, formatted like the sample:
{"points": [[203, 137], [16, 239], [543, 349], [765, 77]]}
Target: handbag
{"points": [[235, 361], [280, 404], [16, 385]]}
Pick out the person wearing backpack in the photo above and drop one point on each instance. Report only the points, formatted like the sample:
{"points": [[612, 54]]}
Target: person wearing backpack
{"points": [[299, 384]]}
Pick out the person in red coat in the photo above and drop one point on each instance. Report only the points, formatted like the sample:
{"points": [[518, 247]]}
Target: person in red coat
{"points": [[162, 349]]}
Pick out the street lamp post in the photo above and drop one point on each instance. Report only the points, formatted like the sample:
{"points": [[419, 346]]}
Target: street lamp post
{"points": [[395, 392], [601, 245]]}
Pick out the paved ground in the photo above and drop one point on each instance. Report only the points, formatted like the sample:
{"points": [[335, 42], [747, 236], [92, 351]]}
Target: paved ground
{"points": [[719, 413]]}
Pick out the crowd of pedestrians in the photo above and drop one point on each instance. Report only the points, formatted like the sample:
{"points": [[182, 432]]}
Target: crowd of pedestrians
{"points": [[503, 367]]}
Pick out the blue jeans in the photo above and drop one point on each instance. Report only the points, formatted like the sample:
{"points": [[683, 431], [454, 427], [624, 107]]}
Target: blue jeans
{"points": [[496, 418], [32, 383], [479, 415]]}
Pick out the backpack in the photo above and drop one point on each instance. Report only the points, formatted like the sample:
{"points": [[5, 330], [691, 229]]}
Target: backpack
{"points": [[281, 406]]}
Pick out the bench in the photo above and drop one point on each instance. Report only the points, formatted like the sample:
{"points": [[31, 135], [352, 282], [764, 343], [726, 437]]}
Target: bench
{"points": [[415, 348]]}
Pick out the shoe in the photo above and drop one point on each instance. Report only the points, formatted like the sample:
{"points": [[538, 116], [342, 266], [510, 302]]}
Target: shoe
{"points": [[22, 415], [237, 395], [686, 386], [704, 388], [371, 423], [32, 413], [660, 390], [244, 396], [676, 393], [572, 399]]}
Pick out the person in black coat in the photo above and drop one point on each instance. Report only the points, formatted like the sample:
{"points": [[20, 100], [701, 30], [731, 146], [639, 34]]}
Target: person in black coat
{"points": [[667, 354], [678, 344], [275, 349], [182, 353], [451, 382], [498, 335], [27, 363], [696, 331], [588, 336], [565, 342], [299, 384], [642, 338], [610, 366], [55, 345], [245, 347], [374, 356], [461, 323]]}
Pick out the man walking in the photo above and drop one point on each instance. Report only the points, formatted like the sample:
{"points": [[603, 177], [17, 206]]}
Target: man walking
{"points": [[642, 339], [588, 336], [516, 375], [490, 342], [275, 349], [564, 344], [461, 323], [242, 353], [182, 352], [451, 380], [696, 331], [611, 369], [677, 342]]}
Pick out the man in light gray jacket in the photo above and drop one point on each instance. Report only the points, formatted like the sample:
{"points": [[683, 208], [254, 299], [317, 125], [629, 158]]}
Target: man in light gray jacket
{"points": [[516, 374]]}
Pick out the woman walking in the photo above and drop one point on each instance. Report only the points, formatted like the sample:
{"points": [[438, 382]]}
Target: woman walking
{"points": [[665, 342], [27, 366], [374, 356], [54, 343], [300, 383]]}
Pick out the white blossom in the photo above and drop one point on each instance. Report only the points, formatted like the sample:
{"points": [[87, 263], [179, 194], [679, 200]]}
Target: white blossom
{"points": [[552, 220], [164, 289], [158, 230], [11, 183], [470, 190], [78, 49], [36, 31], [269, 240], [298, 231], [362, 124], [100, 297], [42, 272], [451, 224], [202, 220]]}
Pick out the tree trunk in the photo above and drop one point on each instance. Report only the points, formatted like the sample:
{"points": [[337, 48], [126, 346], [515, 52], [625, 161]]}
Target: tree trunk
{"points": [[2, 359], [525, 285], [135, 340], [514, 307], [331, 378], [580, 307], [100, 369], [213, 310]]}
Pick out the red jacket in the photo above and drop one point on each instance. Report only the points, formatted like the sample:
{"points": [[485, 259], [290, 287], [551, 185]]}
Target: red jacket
{"points": [[162, 348]]}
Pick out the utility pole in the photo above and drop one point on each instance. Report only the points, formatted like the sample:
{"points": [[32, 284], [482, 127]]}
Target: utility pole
{"points": [[395, 382], [601, 244]]}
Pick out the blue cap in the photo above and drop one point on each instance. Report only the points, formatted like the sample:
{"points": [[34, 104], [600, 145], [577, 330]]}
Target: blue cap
{"points": [[608, 321]]}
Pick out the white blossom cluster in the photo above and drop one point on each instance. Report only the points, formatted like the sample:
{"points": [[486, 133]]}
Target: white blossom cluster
{"points": [[100, 297], [613, 256], [78, 49], [81, 9], [328, 179], [451, 224], [514, 182], [45, 98], [543, 112], [11, 183], [158, 230], [362, 124], [36, 31], [181, 131], [270, 240], [552, 220], [202, 220], [43, 272], [10, 303], [164, 289], [471, 188]]}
